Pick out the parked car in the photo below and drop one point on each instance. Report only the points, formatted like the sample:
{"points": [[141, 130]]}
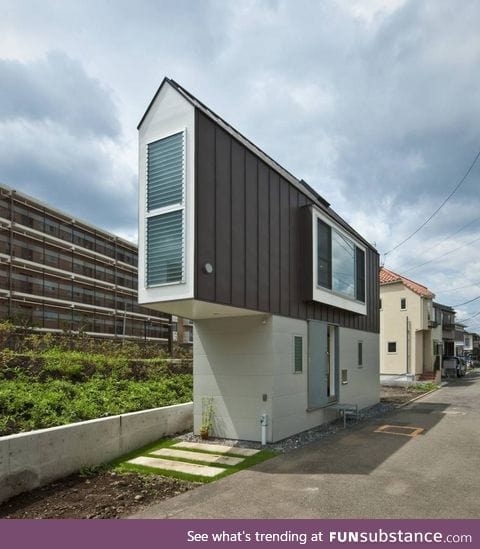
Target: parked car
{"points": [[454, 365]]}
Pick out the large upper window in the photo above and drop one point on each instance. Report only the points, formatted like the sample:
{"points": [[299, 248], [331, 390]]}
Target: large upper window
{"points": [[165, 202], [340, 263]]}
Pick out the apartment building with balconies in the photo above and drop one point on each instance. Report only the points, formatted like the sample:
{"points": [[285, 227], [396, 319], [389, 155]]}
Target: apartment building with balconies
{"points": [[58, 273]]}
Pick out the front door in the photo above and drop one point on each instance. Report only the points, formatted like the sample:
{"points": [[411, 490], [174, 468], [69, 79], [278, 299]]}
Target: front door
{"points": [[323, 378]]}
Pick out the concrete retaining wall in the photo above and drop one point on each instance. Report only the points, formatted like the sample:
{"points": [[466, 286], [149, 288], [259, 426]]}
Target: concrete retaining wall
{"points": [[32, 459]]}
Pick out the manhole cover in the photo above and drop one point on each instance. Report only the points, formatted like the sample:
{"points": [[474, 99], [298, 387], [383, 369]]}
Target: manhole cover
{"points": [[400, 430]]}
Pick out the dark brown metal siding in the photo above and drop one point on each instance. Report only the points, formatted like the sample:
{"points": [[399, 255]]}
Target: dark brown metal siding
{"points": [[255, 229]]}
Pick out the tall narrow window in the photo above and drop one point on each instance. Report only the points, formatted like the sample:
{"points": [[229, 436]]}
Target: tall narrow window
{"points": [[165, 200], [359, 274], [360, 353], [403, 303], [297, 354], [324, 254]]}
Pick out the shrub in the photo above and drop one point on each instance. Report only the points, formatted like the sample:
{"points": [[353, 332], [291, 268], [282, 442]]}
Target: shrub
{"points": [[59, 379], [26, 405], [7, 329]]}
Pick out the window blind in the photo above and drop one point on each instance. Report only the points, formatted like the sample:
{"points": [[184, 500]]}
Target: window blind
{"points": [[165, 204], [165, 248], [165, 160]]}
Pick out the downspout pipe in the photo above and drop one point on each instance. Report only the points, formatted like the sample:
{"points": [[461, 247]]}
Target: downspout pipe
{"points": [[408, 347]]}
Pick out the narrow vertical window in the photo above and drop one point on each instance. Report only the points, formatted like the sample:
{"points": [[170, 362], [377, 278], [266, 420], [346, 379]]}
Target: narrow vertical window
{"points": [[165, 201], [360, 274], [403, 303], [324, 255], [360, 353], [297, 354]]}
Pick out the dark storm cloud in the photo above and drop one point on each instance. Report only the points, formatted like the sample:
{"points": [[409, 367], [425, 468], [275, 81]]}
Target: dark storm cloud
{"points": [[57, 89], [83, 177], [60, 141]]}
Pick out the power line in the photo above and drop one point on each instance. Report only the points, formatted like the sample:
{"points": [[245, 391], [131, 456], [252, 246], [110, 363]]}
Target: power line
{"points": [[441, 256], [453, 234], [451, 290], [469, 318], [438, 209], [466, 302], [445, 240]]}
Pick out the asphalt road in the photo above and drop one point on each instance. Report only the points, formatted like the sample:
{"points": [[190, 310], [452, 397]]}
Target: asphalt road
{"points": [[360, 473]]}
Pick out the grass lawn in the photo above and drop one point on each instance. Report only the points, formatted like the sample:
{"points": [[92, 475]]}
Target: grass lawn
{"points": [[121, 464]]}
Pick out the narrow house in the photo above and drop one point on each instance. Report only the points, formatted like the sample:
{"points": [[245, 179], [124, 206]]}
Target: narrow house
{"points": [[282, 291]]}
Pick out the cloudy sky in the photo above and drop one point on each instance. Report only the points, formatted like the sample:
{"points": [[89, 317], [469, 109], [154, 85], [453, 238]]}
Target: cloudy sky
{"points": [[376, 103]]}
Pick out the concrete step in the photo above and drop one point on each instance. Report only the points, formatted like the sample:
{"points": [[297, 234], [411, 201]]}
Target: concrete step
{"points": [[217, 448], [197, 456], [178, 466]]}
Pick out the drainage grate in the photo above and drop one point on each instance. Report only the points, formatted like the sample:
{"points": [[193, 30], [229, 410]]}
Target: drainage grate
{"points": [[400, 430]]}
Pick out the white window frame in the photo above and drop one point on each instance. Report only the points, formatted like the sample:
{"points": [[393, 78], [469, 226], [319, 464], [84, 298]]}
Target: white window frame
{"points": [[167, 209], [396, 348], [327, 295]]}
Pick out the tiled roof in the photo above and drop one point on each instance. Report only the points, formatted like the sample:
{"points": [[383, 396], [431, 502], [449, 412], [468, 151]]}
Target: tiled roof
{"points": [[389, 277]]}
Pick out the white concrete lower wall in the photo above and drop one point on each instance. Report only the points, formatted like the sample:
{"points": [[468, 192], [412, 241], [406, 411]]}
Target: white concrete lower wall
{"points": [[363, 385], [29, 460], [241, 361], [290, 401], [233, 363]]}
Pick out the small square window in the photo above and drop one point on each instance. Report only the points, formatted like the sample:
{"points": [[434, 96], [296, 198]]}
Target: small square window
{"points": [[360, 353], [392, 346], [403, 303], [297, 354]]}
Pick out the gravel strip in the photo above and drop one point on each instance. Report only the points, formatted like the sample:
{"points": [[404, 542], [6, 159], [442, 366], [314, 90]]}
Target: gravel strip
{"points": [[300, 439]]}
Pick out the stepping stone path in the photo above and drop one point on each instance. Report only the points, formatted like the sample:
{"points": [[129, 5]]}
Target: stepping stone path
{"points": [[198, 456], [164, 458], [179, 466], [217, 448]]}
